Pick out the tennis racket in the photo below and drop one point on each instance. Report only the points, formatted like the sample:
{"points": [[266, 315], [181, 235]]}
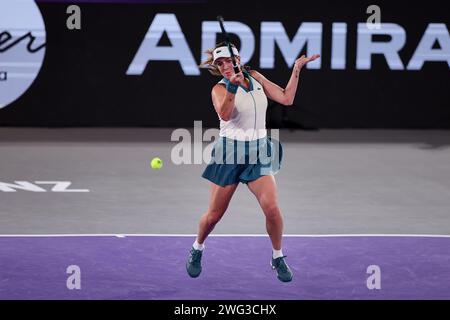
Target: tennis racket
{"points": [[227, 41]]}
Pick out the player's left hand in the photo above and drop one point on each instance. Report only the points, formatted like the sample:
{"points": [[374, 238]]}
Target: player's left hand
{"points": [[300, 62]]}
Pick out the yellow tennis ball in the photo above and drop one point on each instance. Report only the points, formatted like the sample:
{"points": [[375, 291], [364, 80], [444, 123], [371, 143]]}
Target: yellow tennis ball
{"points": [[156, 163]]}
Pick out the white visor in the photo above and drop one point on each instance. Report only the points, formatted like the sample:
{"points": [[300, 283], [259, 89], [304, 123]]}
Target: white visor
{"points": [[224, 52]]}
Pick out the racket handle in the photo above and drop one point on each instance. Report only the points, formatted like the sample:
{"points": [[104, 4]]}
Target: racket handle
{"points": [[236, 69]]}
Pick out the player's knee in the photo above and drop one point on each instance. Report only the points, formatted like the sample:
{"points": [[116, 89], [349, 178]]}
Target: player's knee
{"points": [[214, 216], [271, 210]]}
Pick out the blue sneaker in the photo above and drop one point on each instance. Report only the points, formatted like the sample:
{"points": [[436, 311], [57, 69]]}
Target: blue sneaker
{"points": [[193, 265], [284, 273]]}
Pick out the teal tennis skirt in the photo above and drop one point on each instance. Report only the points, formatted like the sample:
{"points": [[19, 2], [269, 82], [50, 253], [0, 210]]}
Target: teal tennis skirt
{"points": [[234, 161]]}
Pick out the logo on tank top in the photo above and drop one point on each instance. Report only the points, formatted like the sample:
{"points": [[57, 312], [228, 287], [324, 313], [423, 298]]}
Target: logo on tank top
{"points": [[22, 47]]}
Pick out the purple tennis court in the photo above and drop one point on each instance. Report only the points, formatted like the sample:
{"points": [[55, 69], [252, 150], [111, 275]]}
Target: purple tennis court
{"points": [[152, 267], [372, 234]]}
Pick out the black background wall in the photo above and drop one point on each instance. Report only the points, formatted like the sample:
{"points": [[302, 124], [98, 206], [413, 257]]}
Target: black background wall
{"points": [[83, 80]]}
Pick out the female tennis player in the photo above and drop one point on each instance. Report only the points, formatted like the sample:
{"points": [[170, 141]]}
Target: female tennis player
{"points": [[243, 152]]}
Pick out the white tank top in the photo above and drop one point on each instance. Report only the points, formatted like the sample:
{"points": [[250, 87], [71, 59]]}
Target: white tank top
{"points": [[248, 119]]}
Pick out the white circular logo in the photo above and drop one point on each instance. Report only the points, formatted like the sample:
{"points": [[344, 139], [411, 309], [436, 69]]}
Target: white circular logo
{"points": [[22, 47]]}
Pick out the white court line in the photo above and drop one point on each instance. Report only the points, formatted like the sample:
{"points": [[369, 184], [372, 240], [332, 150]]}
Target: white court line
{"points": [[121, 235]]}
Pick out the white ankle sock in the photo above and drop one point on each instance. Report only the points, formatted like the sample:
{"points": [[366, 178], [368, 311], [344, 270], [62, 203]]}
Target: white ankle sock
{"points": [[198, 246], [277, 253]]}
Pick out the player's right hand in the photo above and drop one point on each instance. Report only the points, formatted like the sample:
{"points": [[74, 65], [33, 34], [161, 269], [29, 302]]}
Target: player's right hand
{"points": [[237, 78]]}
